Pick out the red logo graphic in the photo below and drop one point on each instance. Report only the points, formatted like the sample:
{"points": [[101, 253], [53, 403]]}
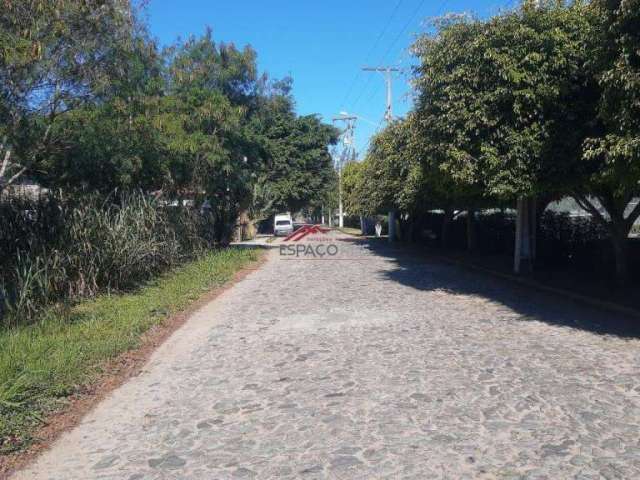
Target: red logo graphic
{"points": [[304, 231]]}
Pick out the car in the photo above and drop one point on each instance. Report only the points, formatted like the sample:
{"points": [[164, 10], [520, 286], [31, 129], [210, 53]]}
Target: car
{"points": [[283, 224]]}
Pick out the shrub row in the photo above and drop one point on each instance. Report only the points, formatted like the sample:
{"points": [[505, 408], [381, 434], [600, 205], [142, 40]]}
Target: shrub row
{"points": [[54, 249], [563, 241]]}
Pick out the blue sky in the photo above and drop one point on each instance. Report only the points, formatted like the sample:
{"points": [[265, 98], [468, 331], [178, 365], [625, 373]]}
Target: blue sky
{"points": [[322, 44]]}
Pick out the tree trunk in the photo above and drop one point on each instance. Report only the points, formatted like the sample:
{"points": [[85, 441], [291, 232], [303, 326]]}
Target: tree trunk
{"points": [[391, 220], [620, 243], [446, 227], [402, 227], [472, 234], [525, 242], [618, 227]]}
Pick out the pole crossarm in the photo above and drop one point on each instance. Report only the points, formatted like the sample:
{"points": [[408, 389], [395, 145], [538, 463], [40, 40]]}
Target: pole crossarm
{"points": [[344, 118], [388, 78]]}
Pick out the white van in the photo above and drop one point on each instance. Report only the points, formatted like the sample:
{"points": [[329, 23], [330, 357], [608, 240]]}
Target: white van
{"points": [[283, 224]]}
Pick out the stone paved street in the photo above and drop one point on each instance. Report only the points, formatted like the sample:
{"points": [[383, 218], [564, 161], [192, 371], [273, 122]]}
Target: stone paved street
{"points": [[371, 365]]}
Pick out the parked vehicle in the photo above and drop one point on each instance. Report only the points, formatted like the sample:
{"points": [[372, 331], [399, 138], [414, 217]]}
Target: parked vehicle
{"points": [[283, 224]]}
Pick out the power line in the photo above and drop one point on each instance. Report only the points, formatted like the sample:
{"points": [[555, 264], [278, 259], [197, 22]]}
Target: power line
{"points": [[371, 50], [389, 49], [366, 145], [406, 26], [393, 43]]}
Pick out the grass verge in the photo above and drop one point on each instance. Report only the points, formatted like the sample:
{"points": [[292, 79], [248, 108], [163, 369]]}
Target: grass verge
{"points": [[43, 364]]}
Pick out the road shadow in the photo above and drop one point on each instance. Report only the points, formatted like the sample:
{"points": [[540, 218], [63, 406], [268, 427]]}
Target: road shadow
{"points": [[419, 270]]}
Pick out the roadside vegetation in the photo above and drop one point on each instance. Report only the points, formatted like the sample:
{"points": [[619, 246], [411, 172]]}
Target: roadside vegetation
{"points": [[126, 169], [120, 159], [540, 102], [43, 363], [64, 250]]}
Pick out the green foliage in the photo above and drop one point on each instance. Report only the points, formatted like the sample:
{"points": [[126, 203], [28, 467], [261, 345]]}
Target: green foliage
{"points": [[54, 57], [353, 189], [196, 120], [108, 148], [612, 153], [508, 99], [402, 171], [59, 250], [90, 106], [297, 168], [384, 167], [542, 101], [41, 364]]}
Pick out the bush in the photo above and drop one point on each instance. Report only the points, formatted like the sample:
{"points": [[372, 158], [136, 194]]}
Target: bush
{"points": [[55, 250], [564, 241], [578, 242], [495, 230]]}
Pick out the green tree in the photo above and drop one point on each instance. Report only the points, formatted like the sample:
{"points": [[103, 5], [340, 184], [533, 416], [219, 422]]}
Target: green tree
{"points": [[392, 175], [296, 165], [508, 101], [387, 167], [353, 189], [115, 143], [610, 171], [202, 121], [54, 57], [510, 96], [89, 104]]}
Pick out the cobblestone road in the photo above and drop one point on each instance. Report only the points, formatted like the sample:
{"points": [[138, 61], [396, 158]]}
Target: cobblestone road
{"points": [[371, 366]]}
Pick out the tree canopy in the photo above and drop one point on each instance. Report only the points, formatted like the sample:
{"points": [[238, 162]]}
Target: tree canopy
{"points": [[89, 103], [540, 101]]}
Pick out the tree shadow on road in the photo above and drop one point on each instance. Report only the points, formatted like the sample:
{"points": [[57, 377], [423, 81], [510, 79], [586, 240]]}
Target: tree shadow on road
{"points": [[420, 271]]}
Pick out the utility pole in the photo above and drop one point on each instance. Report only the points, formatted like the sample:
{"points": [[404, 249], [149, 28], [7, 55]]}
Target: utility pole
{"points": [[388, 79], [388, 116], [348, 152]]}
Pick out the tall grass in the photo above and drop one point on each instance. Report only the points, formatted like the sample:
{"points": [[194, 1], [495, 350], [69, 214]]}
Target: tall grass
{"points": [[55, 250]]}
